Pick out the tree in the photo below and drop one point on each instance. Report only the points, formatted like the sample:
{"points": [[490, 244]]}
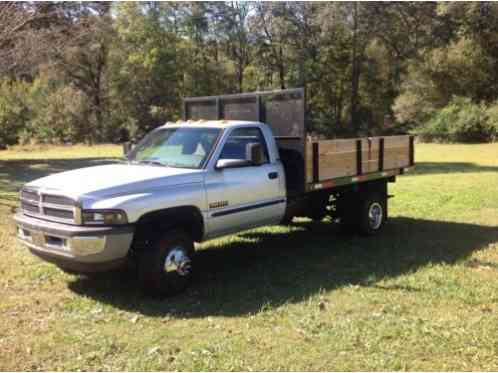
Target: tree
{"points": [[81, 55], [73, 39], [15, 19], [125, 67], [146, 68], [268, 26], [231, 24]]}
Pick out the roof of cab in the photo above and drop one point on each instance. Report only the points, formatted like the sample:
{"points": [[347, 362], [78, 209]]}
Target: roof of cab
{"points": [[209, 123]]}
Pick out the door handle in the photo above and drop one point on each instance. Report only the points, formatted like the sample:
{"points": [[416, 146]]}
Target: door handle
{"points": [[273, 175]]}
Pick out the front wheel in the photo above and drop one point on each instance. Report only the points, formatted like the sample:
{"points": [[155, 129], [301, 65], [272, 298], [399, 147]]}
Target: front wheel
{"points": [[166, 268]]}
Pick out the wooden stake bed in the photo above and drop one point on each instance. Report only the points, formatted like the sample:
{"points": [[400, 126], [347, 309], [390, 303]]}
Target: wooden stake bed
{"points": [[327, 160]]}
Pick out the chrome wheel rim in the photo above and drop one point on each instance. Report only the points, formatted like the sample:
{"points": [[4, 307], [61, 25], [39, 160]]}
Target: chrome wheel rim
{"points": [[177, 261], [375, 215]]}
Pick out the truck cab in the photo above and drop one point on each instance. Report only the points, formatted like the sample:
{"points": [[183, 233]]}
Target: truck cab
{"points": [[204, 179]]}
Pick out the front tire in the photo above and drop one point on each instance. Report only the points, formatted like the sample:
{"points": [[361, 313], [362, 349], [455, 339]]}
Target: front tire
{"points": [[166, 268]]}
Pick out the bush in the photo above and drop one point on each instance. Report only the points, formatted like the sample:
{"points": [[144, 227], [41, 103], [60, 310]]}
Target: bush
{"points": [[60, 114], [460, 121], [14, 111], [43, 112], [492, 121], [411, 109]]}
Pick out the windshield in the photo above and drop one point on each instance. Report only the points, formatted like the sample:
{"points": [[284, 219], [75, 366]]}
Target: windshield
{"points": [[176, 147]]}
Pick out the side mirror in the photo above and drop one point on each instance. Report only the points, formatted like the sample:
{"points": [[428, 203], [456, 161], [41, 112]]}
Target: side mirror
{"points": [[128, 147], [232, 163], [254, 153]]}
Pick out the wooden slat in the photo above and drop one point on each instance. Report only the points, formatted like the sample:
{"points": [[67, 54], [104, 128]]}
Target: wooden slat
{"points": [[396, 152], [337, 158]]}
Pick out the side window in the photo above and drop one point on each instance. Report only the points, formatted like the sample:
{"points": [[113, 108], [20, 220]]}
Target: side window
{"points": [[235, 146]]}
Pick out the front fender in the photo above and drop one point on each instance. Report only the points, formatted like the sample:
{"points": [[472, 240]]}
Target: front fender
{"points": [[138, 204]]}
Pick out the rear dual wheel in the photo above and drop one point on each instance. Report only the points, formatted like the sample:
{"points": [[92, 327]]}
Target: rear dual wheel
{"points": [[366, 216], [372, 215]]}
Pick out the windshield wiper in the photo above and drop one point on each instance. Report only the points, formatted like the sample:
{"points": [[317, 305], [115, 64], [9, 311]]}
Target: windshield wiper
{"points": [[150, 162], [178, 165]]}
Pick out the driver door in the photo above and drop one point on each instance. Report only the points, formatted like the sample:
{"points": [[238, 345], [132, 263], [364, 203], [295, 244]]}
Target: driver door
{"points": [[245, 197]]}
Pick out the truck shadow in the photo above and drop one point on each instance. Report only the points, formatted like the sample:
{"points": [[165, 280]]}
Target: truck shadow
{"points": [[15, 173], [450, 167], [260, 268]]}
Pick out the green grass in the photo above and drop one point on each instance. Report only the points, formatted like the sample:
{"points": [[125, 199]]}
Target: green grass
{"points": [[421, 296]]}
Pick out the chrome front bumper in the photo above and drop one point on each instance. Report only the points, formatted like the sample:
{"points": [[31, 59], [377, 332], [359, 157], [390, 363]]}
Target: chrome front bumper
{"points": [[77, 248]]}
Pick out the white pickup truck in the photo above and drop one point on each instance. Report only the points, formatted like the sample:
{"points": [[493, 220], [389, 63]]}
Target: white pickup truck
{"points": [[199, 179]]}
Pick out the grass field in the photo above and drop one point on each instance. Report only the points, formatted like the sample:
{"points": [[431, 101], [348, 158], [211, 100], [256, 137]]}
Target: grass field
{"points": [[421, 296]]}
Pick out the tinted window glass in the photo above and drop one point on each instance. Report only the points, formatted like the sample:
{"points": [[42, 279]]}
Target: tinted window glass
{"points": [[236, 145]]}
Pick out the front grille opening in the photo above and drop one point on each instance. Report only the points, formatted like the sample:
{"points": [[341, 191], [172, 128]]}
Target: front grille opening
{"points": [[30, 195], [58, 200], [55, 241], [29, 207], [24, 234], [63, 214]]}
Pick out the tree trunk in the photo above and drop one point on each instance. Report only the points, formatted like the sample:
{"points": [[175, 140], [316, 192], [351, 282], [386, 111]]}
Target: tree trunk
{"points": [[98, 93], [240, 76], [355, 73], [339, 104], [97, 134], [281, 68]]}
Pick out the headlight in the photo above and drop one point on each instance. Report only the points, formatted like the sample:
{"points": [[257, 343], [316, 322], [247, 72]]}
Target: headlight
{"points": [[104, 217]]}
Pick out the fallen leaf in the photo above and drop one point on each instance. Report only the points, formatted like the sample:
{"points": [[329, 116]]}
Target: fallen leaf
{"points": [[153, 350]]}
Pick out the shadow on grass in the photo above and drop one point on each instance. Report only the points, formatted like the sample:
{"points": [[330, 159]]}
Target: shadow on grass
{"points": [[15, 173], [276, 268], [450, 167]]}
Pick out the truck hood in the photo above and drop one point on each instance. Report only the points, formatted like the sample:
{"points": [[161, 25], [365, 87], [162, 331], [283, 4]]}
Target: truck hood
{"points": [[115, 179]]}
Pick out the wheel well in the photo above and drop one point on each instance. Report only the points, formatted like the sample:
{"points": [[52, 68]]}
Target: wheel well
{"points": [[365, 188], [349, 198], [153, 223], [293, 163]]}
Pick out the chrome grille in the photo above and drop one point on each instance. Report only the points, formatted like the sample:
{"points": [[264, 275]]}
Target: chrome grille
{"points": [[29, 207], [63, 214], [49, 206], [57, 200], [30, 195]]}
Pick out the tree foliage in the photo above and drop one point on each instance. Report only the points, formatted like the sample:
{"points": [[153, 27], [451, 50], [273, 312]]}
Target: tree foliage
{"points": [[91, 71]]}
